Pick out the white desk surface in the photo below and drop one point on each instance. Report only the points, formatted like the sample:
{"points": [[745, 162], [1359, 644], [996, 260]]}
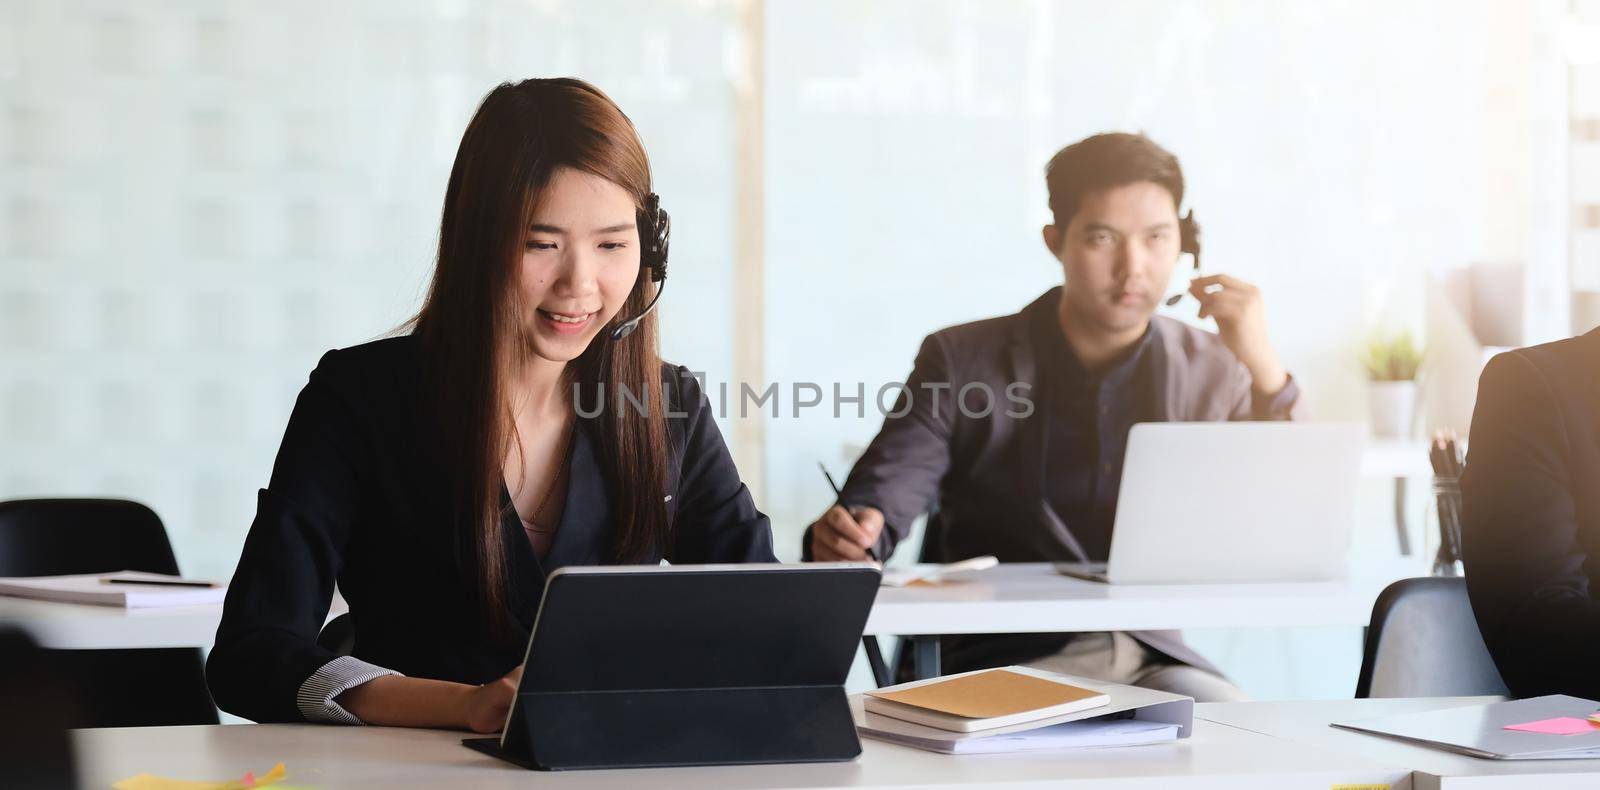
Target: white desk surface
{"points": [[1033, 598], [1236, 746], [330, 757], [1306, 724], [81, 626], [1396, 458], [1011, 598]]}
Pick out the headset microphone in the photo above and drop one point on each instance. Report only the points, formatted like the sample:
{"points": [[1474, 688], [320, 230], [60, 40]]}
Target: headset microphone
{"points": [[1188, 241], [655, 232]]}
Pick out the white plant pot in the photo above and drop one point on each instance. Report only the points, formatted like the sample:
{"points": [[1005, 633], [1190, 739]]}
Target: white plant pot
{"points": [[1392, 407]]}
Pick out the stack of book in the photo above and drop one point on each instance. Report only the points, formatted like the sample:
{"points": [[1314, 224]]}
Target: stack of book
{"points": [[1014, 709]]}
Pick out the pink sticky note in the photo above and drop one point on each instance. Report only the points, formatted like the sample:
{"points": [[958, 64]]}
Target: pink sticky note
{"points": [[1566, 725]]}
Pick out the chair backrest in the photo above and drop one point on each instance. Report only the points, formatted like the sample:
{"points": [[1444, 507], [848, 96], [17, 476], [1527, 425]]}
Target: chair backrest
{"points": [[50, 537], [116, 687], [41, 703], [1424, 642]]}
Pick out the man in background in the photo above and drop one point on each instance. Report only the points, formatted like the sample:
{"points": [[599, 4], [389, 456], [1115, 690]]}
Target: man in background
{"points": [[1039, 482]]}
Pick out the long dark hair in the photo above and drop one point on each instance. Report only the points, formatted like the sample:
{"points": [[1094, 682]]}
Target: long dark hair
{"points": [[471, 326]]}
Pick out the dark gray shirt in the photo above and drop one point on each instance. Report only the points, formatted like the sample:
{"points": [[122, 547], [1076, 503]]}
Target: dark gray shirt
{"points": [[1086, 422]]}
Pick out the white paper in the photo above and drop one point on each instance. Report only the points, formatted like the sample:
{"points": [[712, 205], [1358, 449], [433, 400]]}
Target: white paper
{"points": [[1073, 735], [1090, 734], [902, 576]]}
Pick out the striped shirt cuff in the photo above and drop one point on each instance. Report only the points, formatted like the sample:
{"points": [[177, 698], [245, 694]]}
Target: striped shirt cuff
{"points": [[315, 697]]}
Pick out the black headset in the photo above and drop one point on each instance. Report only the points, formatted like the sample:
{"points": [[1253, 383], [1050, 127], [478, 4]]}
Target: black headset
{"points": [[1188, 241], [655, 234]]}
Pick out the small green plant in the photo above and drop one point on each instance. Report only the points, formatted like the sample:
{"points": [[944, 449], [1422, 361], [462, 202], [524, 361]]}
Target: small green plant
{"points": [[1392, 358]]}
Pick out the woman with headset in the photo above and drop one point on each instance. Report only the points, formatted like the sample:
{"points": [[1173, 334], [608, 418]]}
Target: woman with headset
{"points": [[523, 424]]}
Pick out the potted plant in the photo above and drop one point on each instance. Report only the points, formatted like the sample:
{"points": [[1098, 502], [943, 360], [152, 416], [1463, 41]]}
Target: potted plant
{"points": [[1392, 363]]}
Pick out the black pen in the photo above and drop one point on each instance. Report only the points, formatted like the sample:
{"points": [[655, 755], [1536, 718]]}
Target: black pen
{"points": [[159, 582], [872, 555]]}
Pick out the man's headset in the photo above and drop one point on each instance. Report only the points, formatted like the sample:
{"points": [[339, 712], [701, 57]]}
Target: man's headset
{"points": [[655, 232], [1188, 241]]}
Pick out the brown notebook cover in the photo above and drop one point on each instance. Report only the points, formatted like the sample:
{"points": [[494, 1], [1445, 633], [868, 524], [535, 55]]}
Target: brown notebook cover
{"points": [[984, 695]]}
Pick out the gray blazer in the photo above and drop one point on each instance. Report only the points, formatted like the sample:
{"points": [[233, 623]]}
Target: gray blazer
{"points": [[983, 473]]}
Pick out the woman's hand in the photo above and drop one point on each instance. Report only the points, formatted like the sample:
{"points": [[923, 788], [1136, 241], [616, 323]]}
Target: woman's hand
{"points": [[485, 706], [398, 701]]}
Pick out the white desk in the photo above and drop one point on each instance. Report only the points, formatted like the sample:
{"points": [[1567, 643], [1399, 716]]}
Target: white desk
{"points": [[1400, 460], [1033, 598], [329, 758], [1013, 598], [1305, 724], [79, 627], [1396, 458], [1237, 746]]}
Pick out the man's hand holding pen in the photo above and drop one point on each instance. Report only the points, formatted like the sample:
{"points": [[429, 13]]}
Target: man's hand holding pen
{"points": [[840, 535]]}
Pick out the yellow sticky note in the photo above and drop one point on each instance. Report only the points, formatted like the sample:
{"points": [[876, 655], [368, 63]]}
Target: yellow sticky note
{"points": [[149, 782], [247, 782]]}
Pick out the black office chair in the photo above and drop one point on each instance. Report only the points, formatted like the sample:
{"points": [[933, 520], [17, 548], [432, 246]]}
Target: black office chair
{"points": [[41, 702], [902, 665], [1424, 642], [905, 652], [122, 687]]}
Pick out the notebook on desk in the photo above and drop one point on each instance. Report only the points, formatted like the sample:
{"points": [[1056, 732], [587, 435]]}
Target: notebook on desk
{"points": [[1498, 731], [1129, 716], [983, 700]]}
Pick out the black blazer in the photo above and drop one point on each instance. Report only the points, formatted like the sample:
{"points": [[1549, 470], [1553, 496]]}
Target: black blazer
{"points": [[1531, 516], [358, 495]]}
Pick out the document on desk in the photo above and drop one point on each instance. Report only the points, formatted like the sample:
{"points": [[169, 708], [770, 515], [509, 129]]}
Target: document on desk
{"points": [[933, 574], [1091, 734], [1537, 728], [94, 588]]}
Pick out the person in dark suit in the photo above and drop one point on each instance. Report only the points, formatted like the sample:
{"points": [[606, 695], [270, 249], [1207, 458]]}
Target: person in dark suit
{"points": [[1530, 529], [441, 476], [1013, 428]]}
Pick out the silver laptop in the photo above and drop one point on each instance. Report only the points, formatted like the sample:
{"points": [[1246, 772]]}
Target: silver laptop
{"points": [[1233, 502], [1481, 730]]}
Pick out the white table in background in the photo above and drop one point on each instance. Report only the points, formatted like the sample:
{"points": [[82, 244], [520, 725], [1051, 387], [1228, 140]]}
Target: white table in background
{"points": [[1305, 724], [1011, 598], [83, 627], [1400, 460], [1032, 598], [1216, 757]]}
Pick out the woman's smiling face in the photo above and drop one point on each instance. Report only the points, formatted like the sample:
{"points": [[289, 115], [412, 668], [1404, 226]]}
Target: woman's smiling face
{"points": [[580, 260]]}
